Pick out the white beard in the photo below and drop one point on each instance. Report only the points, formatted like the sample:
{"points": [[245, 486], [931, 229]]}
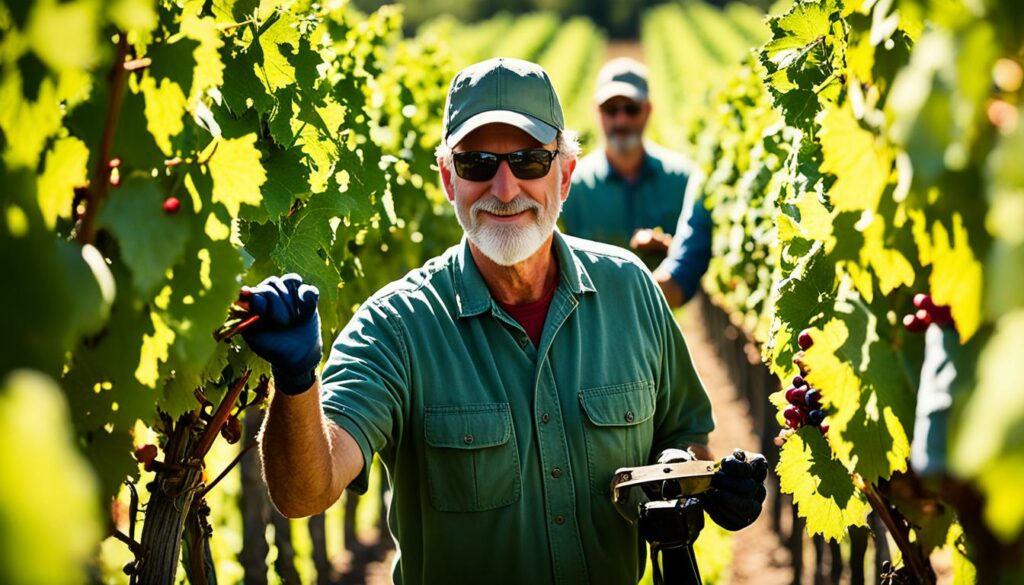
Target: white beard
{"points": [[623, 143], [508, 244]]}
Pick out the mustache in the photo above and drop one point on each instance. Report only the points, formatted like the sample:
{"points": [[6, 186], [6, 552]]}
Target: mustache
{"points": [[492, 204], [624, 130]]}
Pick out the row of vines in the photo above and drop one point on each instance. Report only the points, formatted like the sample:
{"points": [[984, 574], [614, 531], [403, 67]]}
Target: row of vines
{"points": [[863, 173]]}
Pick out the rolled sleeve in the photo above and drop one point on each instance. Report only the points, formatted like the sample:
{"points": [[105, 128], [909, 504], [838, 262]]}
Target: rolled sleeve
{"points": [[364, 384], [690, 254]]}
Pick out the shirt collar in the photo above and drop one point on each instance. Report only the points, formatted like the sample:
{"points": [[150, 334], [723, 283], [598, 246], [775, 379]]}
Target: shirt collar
{"points": [[648, 168], [473, 297]]}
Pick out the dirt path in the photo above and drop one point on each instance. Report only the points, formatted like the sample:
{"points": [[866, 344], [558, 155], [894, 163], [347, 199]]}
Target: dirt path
{"points": [[758, 556]]}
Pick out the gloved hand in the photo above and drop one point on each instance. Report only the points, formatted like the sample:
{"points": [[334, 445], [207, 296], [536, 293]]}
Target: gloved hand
{"points": [[737, 491], [287, 333]]}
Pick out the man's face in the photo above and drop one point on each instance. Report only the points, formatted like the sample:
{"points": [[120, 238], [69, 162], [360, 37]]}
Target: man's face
{"points": [[623, 121], [506, 217]]}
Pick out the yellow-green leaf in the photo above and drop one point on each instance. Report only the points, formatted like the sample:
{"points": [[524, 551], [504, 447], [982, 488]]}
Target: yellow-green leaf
{"points": [[165, 110], [858, 159], [237, 173], [822, 488], [65, 169], [956, 278]]}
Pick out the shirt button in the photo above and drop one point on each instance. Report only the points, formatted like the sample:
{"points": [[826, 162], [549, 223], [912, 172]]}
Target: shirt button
{"points": [[629, 416], [468, 439], [545, 418], [556, 473], [559, 519]]}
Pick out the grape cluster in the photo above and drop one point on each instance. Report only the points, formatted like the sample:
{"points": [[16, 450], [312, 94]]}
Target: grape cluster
{"points": [[804, 401], [927, 313]]}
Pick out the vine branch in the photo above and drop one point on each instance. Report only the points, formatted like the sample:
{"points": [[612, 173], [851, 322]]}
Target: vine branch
{"points": [[100, 185]]}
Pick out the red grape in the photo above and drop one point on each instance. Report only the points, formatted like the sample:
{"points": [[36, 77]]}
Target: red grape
{"points": [[923, 301], [171, 205], [941, 315], [804, 339], [799, 381], [795, 395], [913, 324]]}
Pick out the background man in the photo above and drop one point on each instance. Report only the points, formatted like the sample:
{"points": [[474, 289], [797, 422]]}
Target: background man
{"points": [[503, 382], [631, 191]]}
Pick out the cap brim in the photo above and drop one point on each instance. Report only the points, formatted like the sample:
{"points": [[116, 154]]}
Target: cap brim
{"points": [[542, 131], [619, 89]]}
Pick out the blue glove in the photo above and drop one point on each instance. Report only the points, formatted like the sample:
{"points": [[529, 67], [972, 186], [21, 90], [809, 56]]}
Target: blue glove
{"points": [[737, 491], [287, 333]]}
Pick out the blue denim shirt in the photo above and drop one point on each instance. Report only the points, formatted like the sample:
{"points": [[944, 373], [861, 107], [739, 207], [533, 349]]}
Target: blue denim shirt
{"points": [[688, 258]]}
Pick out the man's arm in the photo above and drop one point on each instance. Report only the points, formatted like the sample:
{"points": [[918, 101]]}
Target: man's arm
{"points": [[307, 459], [687, 261]]}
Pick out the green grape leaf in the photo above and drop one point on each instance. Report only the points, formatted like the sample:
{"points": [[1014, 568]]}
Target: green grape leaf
{"points": [[287, 181], [822, 488], [803, 298], [304, 241], [803, 58], [33, 122], [48, 493], [135, 17], [237, 173], [888, 259], [957, 277], [166, 105], [242, 82], [205, 284], [134, 214], [209, 70], [861, 164], [88, 275], [869, 402], [75, 24], [65, 169], [277, 41], [39, 293]]}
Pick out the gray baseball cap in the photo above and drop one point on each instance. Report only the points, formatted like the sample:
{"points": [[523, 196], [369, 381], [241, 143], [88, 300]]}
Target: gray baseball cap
{"points": [[508, 91], [623, 77]]}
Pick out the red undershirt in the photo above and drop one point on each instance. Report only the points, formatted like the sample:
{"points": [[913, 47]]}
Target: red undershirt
{"points": [[531, 316]]}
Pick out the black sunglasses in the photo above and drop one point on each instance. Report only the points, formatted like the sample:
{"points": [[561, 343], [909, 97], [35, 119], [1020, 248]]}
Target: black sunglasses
{"points": [[529, 163], [612, 110]]}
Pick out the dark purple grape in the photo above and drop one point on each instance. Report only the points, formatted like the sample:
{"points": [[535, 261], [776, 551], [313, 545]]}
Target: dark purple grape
{"points": [[815, 417], [798, 382], [812, 398]]}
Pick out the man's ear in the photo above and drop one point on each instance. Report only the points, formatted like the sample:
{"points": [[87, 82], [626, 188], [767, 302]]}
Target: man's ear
{"points": [[446, 180], [567, 170]]}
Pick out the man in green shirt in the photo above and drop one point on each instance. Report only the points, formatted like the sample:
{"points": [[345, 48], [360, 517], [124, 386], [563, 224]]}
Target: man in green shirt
{"points": [[503, 382], [630, 192]]}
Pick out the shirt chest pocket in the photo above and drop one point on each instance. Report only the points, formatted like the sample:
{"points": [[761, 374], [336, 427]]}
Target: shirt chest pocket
{"points": [[472, 457], [619, 429]]}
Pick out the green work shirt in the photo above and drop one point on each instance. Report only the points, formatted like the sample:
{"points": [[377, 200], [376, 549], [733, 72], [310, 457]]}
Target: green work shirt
{"points": [[604, 206], [501, 454]]}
